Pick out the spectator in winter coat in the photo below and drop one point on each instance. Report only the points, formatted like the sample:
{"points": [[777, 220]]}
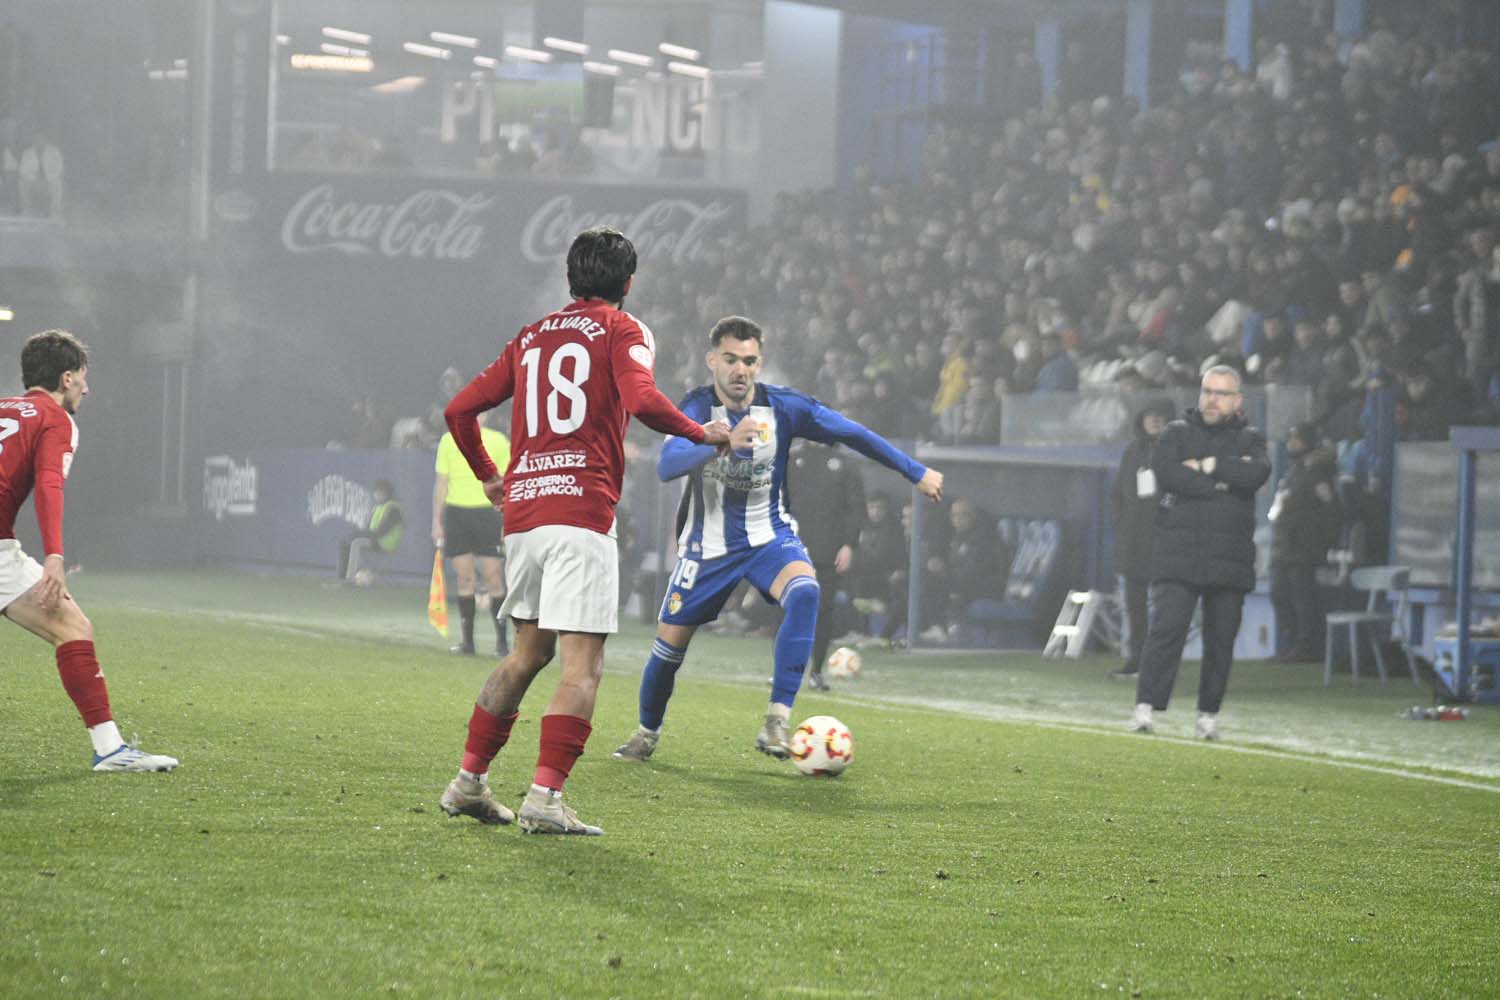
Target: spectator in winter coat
{"points": [[1305, 523], [1133, 509]]}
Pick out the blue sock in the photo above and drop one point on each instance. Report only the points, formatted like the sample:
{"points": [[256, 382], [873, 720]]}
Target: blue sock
{"points": [[657, 681], [794, 640]]}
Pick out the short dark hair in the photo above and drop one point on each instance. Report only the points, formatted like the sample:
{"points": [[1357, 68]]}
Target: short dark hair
{"points": [[600, 261], [735, 328], [47, 355]]}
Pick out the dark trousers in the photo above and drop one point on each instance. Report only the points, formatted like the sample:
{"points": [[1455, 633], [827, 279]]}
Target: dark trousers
{"points": [[1171, 612], [1299, 612], [1135, 614], [344, 545], [828, 583]]}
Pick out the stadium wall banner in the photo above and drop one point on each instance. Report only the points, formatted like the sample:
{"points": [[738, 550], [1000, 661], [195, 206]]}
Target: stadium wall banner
{"points": [[364, 221], [291, 506], [241, 88]]}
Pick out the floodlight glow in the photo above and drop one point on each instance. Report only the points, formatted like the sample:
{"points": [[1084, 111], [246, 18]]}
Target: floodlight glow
{"points": [[488, 62], [447, 39], [418, 49], [337, 64], [530, 55], [345, 35], [603, 69], [6, 314], [631, 58], [566, 45], [680, 51], [400, 85], [342, 50], [688, 69]]}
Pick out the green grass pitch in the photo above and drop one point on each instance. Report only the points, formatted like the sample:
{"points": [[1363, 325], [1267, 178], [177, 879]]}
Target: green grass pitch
{"points": [[998, 834]]}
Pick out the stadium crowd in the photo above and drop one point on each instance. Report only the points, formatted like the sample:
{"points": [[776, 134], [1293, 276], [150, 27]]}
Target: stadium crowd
{"points": [[1323, 219]]}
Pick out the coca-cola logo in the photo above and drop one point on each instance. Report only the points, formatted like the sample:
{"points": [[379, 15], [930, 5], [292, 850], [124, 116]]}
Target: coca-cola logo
{"points": [[431, 224], [673, 228]]}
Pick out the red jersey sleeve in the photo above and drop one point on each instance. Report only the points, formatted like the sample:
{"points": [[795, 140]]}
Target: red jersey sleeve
{"points": [[489, 389], [51, 462], [633, 356]]}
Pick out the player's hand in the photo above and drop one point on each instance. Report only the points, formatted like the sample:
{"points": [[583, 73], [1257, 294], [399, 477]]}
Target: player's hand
{"points": [[1191, 463], [494, 489], [743, 437], [716, 432], [842, 559], [53, 586], [931, 485]]}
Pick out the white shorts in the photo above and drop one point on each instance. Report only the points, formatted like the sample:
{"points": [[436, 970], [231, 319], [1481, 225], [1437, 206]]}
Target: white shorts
{"points": [[565, 578], [18, 572]]}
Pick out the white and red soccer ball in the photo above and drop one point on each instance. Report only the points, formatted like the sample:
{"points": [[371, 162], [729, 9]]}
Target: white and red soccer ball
{"points": [[822, 745], [844, 664]]}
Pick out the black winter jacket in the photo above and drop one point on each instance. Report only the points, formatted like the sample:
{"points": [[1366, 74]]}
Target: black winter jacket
{"points": [[827, 498], [1132, 514], [1205, 522]]}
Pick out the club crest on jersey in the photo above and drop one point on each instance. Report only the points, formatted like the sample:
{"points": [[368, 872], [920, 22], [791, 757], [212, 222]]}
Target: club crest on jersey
{"points": [[674, 603], [763, 432]]}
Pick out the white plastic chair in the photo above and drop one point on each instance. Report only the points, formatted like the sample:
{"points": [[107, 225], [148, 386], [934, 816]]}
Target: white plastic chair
{"points": [[1386, 605]]}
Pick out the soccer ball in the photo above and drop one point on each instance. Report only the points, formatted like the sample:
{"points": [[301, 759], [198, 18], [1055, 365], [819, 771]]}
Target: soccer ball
{"points": [[844, 663], [822, 745], [363, 578]]}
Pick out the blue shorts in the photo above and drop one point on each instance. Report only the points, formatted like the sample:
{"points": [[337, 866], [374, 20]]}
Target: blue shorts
{"points": [[699, 587]]}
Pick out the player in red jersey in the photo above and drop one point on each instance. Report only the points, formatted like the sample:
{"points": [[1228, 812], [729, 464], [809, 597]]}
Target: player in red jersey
{"points": [[575, 378], [37, 441]]}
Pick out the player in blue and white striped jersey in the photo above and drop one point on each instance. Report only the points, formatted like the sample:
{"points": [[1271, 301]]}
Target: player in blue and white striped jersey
{"points": [[736, 524]]}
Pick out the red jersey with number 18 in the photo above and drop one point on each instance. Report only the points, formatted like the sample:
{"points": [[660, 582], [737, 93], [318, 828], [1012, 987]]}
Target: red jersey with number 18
{"points": [[37, 441], [574, 378]]}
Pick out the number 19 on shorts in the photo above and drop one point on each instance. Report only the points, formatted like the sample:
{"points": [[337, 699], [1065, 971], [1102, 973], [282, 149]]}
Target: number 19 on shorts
{"points": [[684, 575]]}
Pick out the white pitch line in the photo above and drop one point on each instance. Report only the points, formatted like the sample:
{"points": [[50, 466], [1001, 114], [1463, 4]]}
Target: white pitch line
{"points": [[1395, 772]]}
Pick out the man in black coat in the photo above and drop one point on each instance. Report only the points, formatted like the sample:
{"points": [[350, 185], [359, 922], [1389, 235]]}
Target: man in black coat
{"points": [[1305, 523], [1208, 467], [828, 501], [1132, 502]]}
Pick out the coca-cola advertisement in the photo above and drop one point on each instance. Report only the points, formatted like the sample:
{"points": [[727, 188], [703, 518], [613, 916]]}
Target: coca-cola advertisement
{"points": [[454, 222], [360, 289]]}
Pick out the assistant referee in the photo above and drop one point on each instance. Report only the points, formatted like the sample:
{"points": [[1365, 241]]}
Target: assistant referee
{"points": [[467, 528]]}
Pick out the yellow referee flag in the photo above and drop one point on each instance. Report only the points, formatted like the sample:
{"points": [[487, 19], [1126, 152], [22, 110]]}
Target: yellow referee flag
{"points": [[437, 596]]}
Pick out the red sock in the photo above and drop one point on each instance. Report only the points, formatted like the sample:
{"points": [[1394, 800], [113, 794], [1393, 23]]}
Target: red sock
{"points": [[84, 681], [563, 737], [487, 734]]}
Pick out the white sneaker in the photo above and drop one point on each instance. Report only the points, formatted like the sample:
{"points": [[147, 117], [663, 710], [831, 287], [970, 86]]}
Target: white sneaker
{"points": [[128, 758], [1207, 726], [474, 798], [934, 635], [772, 738], [544, 812], [1141, 722], [640, 746]]}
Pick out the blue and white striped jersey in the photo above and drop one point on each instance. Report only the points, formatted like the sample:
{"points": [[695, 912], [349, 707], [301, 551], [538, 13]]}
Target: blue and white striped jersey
{"points": [[737, 502]]}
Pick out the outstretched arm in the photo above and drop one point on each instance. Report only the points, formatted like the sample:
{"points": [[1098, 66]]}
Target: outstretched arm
{"points": [[832, 427]]}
